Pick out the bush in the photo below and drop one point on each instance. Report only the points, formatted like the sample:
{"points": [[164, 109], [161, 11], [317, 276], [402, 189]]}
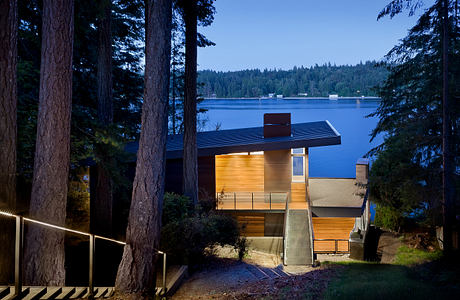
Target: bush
{"points": [[389, 218], [188, 234]]}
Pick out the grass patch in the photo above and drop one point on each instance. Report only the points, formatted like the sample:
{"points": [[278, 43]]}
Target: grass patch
{"points": [[409, 256], [380, 281]]}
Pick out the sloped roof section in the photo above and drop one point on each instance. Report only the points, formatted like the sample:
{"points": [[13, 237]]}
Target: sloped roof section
{"points": [[312, 134]]}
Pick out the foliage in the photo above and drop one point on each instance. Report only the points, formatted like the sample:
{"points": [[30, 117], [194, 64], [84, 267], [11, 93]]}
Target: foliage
{"points": [[389, 218], [242, 247], [78, 201], [406, 174], [175, 208], [317, 81], [127, 30], [410, 256], [190, 233]]}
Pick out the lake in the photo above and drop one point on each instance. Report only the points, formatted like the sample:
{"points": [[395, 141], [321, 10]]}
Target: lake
{"points": [[347, 116]]}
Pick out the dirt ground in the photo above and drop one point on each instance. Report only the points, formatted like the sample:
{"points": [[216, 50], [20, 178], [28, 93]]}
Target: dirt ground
{"points": [[227, 278], [388, 246]]}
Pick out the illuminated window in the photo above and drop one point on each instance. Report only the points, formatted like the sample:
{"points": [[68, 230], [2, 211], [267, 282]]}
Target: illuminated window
{"points": [[298, 164]]}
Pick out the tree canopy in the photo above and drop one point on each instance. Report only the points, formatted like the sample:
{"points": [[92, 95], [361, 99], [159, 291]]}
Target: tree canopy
{"points": [[407, 171]]}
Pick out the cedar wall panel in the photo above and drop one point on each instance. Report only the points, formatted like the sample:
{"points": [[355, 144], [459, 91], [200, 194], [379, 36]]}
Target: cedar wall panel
{"points": [[240, 173], [277, 171], [332, 228], [251, 224]]}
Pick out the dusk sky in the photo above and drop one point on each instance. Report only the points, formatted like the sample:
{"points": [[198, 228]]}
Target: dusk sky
{"points": [[282, 34]]}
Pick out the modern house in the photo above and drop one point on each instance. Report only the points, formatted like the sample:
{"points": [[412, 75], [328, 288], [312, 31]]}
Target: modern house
{"points": [[260, 176]]}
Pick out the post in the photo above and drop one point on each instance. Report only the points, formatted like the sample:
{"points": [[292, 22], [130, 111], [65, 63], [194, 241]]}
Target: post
{"points": [[91, 266], [252, 200], [18, 255], [234, 201], [336, 245], [164, 272], [270, 200]]}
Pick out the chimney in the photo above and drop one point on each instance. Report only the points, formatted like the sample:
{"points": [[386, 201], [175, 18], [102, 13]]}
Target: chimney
{"points": [[276, 125], [362, 170]]}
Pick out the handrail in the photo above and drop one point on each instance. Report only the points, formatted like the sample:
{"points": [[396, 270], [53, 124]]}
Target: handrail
{"points": [[19, 250]]}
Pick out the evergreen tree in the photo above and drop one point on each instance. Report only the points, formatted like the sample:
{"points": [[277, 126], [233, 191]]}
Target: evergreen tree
{"points": [[137, 273], [410, 117], [44, 250]]}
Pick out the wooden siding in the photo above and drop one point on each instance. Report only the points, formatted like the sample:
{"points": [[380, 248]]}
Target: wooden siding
{"points": [[251, 225], [332, 228], [277, 171], [239, 173]]}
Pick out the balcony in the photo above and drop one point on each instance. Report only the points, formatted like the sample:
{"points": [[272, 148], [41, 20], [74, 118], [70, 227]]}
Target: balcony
{"points": [[252, 200]]}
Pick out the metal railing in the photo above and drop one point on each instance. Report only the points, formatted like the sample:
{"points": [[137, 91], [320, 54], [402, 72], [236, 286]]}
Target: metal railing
{"points": [[252, 200], [336, 246], [19, 253]]}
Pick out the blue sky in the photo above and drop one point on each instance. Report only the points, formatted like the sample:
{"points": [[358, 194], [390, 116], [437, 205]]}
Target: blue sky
{"points": [[284, 33]]}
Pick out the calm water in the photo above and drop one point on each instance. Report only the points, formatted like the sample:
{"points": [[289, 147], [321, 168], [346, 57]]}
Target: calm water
{"points": [[347, 116]]}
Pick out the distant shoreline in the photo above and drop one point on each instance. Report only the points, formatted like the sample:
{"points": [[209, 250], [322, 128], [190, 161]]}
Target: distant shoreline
{"points": [[293, 98]]}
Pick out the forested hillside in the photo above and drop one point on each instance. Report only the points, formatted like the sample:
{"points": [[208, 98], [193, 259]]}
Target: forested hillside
{"points": [[316, 81]]}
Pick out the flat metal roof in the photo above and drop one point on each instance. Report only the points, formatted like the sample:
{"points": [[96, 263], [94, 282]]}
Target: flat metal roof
{"points": [[312, 134]]}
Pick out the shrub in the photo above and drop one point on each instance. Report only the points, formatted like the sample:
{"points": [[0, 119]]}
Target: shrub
{"points": [[389, 218], [242, 247], [189, 234]]}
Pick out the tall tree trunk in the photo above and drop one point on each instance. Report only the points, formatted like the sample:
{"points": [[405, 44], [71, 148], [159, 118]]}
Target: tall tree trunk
{"points": [[8, 130], [173, 82], [136, 273], [44, 253], [447, 158], [102, 199], [190, 156]]}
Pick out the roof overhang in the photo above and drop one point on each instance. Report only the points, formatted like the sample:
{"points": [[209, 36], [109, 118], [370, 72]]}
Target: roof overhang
{"points": [[210, 143]]}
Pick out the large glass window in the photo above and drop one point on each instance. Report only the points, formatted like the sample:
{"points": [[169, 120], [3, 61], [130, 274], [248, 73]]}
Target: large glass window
{"points": [[297, 166]]}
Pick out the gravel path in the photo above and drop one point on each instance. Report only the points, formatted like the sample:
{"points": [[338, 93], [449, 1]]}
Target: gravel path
{"points": [[227, 278]]}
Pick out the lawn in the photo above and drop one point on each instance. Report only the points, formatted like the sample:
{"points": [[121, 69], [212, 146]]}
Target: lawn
{"points": [[416, 274]]}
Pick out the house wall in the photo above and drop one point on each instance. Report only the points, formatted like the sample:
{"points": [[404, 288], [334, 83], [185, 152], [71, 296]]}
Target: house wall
{"points": [[332, 228], [206, 176], [239, 173], [253, 224], [277, 171]]}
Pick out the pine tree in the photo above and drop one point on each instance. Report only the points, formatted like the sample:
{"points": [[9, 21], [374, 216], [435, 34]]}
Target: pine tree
{"points": [[44, 252], [136, 273]]}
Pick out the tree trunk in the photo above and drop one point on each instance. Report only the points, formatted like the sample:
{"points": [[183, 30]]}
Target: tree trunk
{"points": [[102, 199], [136, 273], [44, 253], [447, 158], [8, 131], [190, 156]]}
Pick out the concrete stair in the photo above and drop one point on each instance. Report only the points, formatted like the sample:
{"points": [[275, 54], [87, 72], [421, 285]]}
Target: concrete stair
{"points": [[297, 238], [266, 273]]}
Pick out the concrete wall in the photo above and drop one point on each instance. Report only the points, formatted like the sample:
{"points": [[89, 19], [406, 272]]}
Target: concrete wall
{"points": [[273, 245]]}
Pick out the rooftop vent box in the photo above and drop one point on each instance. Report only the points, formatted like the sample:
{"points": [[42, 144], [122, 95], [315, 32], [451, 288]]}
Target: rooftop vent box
{"points": [[276, 125]]}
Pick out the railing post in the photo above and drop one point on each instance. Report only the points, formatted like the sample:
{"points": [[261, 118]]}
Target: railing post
{"points": [[270, 200], [18, 255], [234, 201], [336, 245], [252, 200], [164, 272], [91, 266]]}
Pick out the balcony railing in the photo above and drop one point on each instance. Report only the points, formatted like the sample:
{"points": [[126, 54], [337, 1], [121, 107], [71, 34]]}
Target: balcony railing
{"points": [[252, 200]]}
